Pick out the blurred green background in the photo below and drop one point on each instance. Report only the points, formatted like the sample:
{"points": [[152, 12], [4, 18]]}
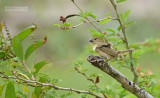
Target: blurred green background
{"points": [[65, 47]]}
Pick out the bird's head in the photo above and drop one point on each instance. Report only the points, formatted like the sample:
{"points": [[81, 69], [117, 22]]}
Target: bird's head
{"points": [[96, 40]]}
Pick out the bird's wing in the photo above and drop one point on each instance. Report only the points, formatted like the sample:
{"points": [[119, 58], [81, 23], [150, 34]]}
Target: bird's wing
{"points": [[107, 49]]}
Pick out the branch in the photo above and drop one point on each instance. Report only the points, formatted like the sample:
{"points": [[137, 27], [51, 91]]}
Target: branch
{"points": [[91, 21], [40, 84], [113, 2], [89, 79], [126, 84]]}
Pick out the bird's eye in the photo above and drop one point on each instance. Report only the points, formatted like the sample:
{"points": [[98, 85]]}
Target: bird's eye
{"points": [[95, 38]]}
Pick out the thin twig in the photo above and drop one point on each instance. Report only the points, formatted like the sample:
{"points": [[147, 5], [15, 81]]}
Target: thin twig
{"points": [[89, 79], [91, 21], [48, 84], [23, 62], [126, 42]]}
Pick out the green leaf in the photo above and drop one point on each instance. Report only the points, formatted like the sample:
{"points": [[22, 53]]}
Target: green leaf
{"points": [[37, 91], [17, 47], [39, 65], [92, 87], [111, 34], [129, 23], [86, 14], [67, 24], [96, 33], [120, 42], [17, 40], [23, 34], [119, 28], [126, 15], [79, 62], [112, 39], [10, 91], [57, 25], [104, 21], [122, 17], [1, 89], [111, 30], [118, 1], [32, 48], [93, 75]]}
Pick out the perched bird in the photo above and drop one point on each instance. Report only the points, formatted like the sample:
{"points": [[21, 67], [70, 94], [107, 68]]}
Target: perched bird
{"points": [[104, 49]]}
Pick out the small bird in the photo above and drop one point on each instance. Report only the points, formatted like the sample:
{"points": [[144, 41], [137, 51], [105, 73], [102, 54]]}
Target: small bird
{"points": [[104, 49]]}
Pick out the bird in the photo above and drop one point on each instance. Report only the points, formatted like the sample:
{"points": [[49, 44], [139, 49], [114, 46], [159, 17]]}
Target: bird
{"points": [[104, 49]]}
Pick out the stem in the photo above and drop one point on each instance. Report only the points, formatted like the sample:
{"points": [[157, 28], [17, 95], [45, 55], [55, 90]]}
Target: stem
{"points": [[26, 67], [35, 46]]}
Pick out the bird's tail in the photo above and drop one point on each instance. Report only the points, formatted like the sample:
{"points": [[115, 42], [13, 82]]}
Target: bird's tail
{"points": [[123, 51]]}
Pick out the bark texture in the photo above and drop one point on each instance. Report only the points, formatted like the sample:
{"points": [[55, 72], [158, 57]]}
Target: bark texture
{"points": [[126, 84]]}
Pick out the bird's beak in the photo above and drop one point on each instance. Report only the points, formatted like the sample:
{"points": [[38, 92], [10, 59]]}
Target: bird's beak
{"points": [[91, 40]]}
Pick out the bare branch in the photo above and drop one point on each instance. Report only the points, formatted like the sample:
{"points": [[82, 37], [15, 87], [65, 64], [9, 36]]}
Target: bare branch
{"points": [[126, 84]]}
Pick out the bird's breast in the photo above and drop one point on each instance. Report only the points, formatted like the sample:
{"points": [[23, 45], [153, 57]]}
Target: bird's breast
{"points": [[94, 47]]}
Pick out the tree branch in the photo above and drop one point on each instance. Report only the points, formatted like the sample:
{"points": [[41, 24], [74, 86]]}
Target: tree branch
{"points": [[114, 4], [40, 84], [126, 84]]}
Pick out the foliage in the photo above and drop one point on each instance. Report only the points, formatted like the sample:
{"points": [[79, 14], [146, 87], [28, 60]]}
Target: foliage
{"points": [[16, 74], [12, 58]]}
